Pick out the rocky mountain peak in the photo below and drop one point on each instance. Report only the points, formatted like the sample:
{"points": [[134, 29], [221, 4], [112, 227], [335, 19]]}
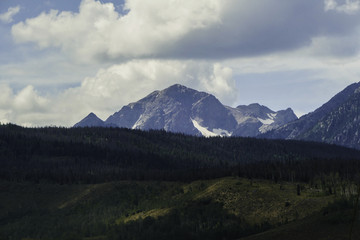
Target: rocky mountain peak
{"points": [[91, 120], [255, 110], [182, 109]]}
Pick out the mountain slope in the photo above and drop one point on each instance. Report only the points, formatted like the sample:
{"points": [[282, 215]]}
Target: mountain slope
{"points": [[337, 121], [175, 109], [185, 110], [341, 126], [255, 119], [90, 120]]}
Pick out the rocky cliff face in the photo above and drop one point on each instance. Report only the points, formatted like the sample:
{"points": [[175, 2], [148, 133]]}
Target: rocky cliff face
{"points": [[175, 109], [255, 119], [185, 110]]}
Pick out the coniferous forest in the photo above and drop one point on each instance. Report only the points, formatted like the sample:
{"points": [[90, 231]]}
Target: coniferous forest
{"points": [[113, 183], [97, 155]]}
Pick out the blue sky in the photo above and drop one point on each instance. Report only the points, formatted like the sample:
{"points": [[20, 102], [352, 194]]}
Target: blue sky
{"points": [[61, 60]]}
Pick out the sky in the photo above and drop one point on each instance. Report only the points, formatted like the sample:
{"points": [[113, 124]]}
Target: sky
{"points": [[60, 60]]}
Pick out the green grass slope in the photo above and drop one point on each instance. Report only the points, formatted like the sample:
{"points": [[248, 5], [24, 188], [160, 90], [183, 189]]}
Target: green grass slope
{"points": [[225, 208]]}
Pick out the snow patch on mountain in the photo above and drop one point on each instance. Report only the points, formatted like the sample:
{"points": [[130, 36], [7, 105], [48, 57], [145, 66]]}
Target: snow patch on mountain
{"points": [[222, 132], [272, 115], [265, 127], [204, 131], [267, 121], [137, 123], [207, 133]]}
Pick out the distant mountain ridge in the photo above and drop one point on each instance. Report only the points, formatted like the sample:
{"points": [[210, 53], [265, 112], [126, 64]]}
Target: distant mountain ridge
{"points": [[91, 120], [255, 119], [185, 110], [336, 122]]}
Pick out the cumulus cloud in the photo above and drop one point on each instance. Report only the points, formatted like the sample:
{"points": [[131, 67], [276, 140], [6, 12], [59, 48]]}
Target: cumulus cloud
{"points": [[28, 100], [16, 107], [112, 88], [349, 6], [99, 31], [7, 17], [6, 95], [162, 42], [187, 29]]}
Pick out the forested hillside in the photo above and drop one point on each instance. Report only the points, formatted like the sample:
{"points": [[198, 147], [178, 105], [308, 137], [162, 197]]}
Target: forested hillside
{"points": [[226, 208], [94, 155], [113, 183]]}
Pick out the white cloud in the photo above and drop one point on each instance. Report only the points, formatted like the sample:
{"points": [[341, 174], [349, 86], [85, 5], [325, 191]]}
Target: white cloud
{"points": [[6, 94], [349, 6], [112, 88], [28, 100], [186, 29], [17, 107], [99, 31], [330, 5], [220, 82], [7, 17], [49, 69], [270, 37]]}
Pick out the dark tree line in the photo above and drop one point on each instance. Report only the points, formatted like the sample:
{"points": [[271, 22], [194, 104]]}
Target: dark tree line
{"points": [[90, 155]]}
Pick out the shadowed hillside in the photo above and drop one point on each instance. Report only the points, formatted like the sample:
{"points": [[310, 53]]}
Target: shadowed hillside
{"points": [[89, 155], [227, 208], [112, 183]]}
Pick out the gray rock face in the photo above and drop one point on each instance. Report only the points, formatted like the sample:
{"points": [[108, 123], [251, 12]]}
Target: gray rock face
{"points": [[174, 109], [255, 119], [337, 121], [185, 110], [90, 120]]}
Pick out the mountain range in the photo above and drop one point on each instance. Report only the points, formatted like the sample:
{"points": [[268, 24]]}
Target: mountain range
{"points": [[185, 110], [335, 122]]}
